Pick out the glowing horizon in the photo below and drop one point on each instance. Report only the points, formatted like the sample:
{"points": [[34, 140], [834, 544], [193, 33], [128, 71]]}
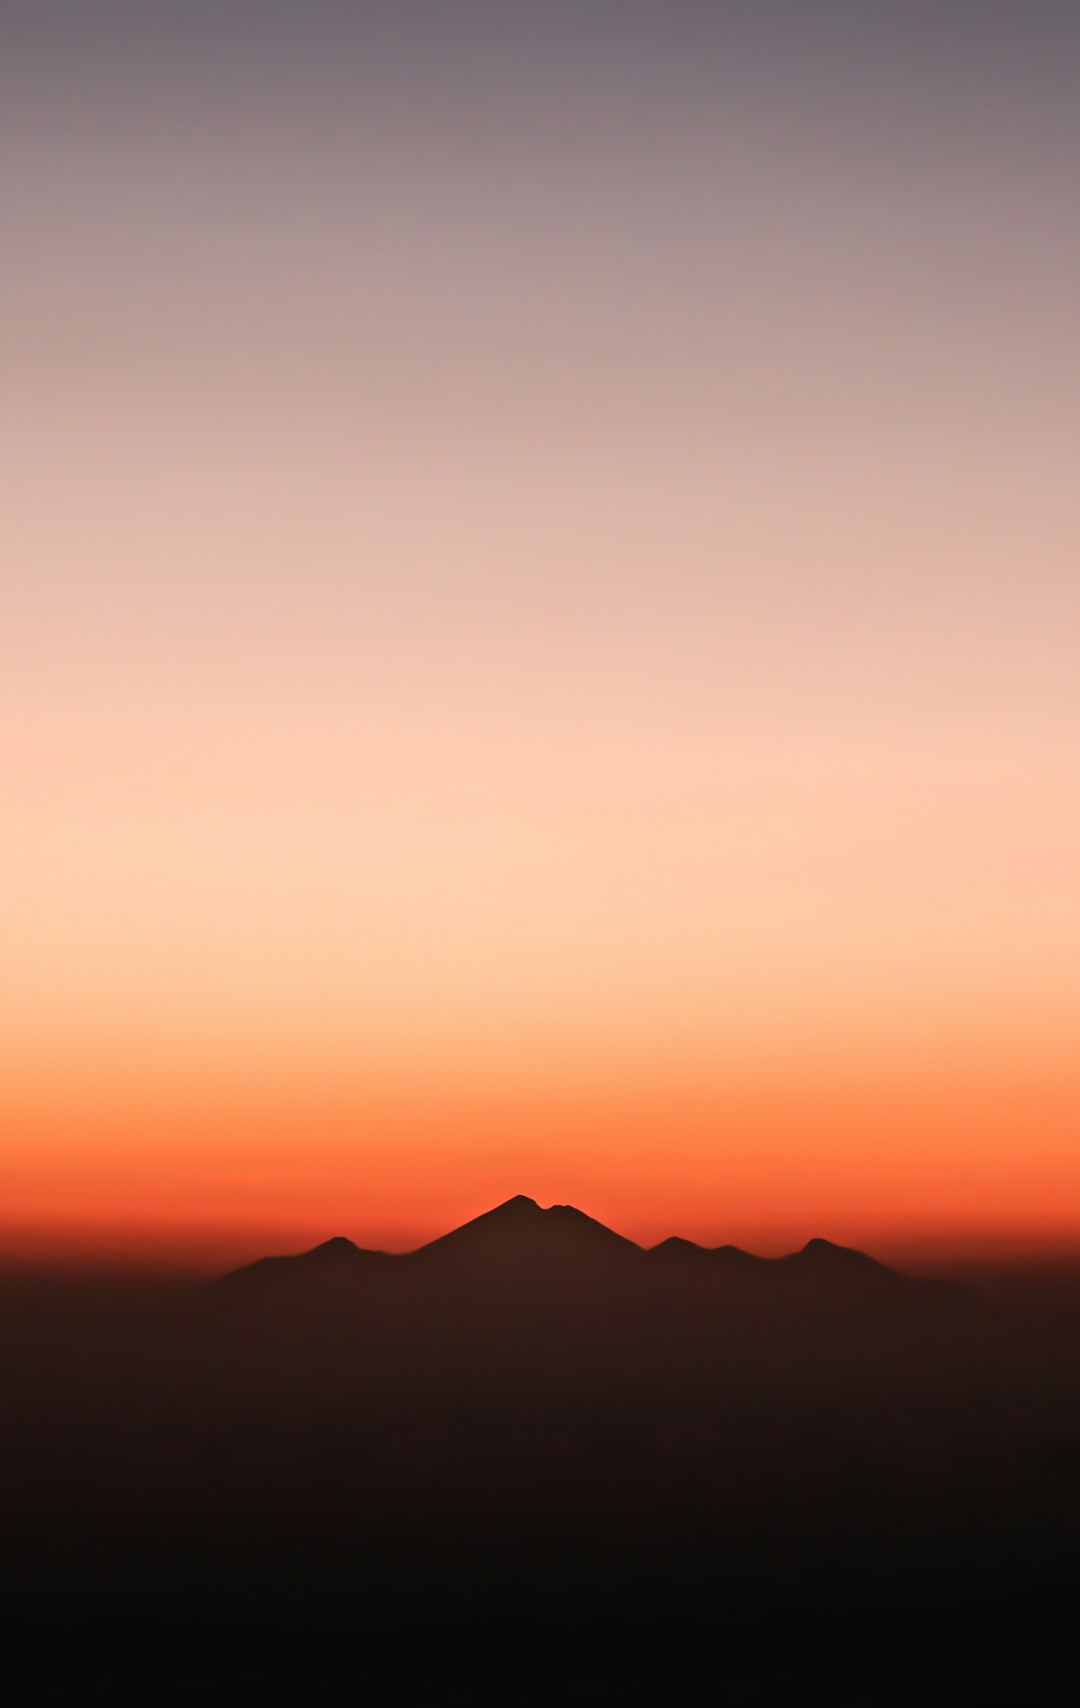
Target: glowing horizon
{"points": [[542, 654]]}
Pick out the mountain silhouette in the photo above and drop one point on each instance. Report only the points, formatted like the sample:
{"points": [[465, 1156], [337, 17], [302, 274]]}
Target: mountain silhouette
{"points": [[520, 1235], [334, 1259], [521, 1231], [562, 1260]]}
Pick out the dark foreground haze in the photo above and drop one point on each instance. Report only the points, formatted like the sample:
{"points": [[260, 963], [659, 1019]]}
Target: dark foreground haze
{"points": [[532, 1462]]}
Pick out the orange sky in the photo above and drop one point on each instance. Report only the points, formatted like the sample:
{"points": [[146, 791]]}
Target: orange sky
{"points": [[542, 645]]}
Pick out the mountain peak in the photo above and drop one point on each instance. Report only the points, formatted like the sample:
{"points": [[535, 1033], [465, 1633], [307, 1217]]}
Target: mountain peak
{"points": [[522, 1226], [825, 1252], [320, 1263], [677, 1249]]}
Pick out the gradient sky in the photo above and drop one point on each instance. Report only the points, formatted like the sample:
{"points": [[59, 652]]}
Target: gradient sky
{"points": [[541, 621]]}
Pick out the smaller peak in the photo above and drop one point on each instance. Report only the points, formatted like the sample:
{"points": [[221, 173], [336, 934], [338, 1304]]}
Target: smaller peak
{"points": [[677, 1246], [338, 1250], [828, 1251], [678, 1253], [334, 1257]]}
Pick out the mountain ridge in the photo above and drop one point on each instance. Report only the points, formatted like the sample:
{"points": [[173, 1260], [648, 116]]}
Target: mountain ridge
{"points": [[520, 1227]]}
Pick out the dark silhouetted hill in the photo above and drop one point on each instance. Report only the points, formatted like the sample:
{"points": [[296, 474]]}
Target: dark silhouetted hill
{"points": [[519, 1234], [329, 1262]]}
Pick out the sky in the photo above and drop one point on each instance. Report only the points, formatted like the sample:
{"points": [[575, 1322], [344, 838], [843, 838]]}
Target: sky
{"points": [[540, 618]]}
